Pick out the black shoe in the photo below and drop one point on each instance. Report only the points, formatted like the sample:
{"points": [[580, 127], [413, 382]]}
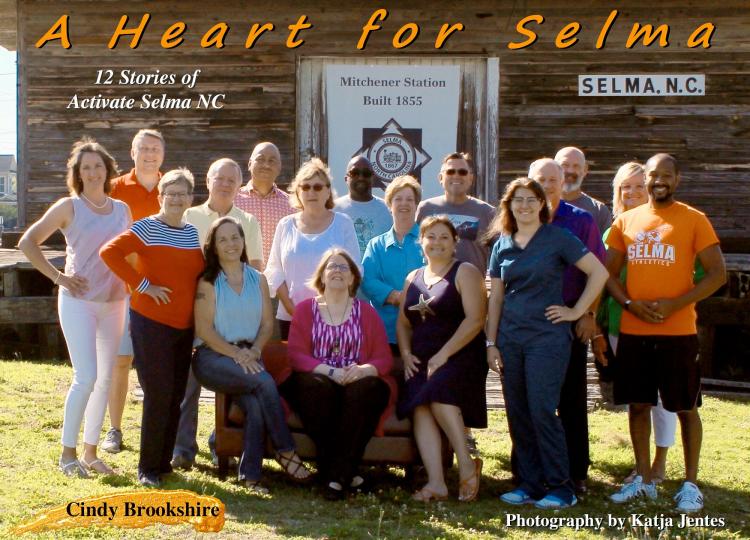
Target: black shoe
{"points": [[331, 493], [580, 487], [149, 480]]}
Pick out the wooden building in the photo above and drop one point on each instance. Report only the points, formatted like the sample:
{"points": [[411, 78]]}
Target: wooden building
{"points": [[516, 105]]}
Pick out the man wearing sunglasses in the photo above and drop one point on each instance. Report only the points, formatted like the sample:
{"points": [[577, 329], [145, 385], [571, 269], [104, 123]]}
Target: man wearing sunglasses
{"points": [[369, 214], [469, 215]]}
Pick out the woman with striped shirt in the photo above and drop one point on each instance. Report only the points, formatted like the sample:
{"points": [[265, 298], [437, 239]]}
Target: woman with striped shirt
{"points": [[163, 280], [340, 387]]}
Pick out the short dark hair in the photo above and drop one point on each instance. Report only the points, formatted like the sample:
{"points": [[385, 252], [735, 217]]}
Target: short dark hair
{"points": [[460, 155], [668, 157], [73, 177]]}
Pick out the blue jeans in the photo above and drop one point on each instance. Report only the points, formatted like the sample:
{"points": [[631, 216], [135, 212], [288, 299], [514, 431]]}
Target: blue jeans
{"points": [[257, 396], [533, 376], [186, 444]]}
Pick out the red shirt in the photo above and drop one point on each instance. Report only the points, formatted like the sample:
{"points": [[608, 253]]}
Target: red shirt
{"points": [[142, 203]]}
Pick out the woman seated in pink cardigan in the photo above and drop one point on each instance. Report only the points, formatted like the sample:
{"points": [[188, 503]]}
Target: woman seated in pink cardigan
{"points": [[340, 386]]}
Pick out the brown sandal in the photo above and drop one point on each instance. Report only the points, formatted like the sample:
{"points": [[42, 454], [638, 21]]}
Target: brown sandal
{"points": [[255, 487], [292, 466], [467, 493], [426, 495]]}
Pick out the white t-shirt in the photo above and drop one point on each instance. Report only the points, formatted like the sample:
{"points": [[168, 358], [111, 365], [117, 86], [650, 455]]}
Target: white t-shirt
{"points": [[295, 256]]}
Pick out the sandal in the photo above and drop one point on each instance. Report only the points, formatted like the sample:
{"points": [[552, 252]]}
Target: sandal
{"points": [[292, 466], [72, 468], [97, 466], [255, 487], [427, 495], [467, 492]]}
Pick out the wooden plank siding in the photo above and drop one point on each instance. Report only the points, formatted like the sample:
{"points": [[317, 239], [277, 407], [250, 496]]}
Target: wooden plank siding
{"points": [[538, 104]]}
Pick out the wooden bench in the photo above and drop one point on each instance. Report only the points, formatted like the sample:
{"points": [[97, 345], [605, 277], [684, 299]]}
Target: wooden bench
{"points": [[396, 447]]}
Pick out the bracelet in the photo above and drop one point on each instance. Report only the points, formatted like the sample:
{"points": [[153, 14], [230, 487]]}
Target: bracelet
{"points": [[57, 277], [598, 336]]}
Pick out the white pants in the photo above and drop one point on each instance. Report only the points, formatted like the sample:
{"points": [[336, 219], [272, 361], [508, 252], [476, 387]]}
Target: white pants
{"points": [[92, 331], [664, 421]]}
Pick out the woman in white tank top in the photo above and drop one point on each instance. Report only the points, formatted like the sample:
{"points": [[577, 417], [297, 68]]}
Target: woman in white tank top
{"points": [[91, 300]]}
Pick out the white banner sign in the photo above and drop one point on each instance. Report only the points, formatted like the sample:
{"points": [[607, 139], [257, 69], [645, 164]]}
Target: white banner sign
{"points": [[692, 84], [404, 119]]}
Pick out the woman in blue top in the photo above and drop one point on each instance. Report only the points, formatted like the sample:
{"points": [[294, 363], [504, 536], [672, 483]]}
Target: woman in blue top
{"points": [[233, 319], [391, 256], [531, 324]]}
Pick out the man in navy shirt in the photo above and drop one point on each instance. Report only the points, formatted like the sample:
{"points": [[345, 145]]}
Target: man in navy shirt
{"points": [[573, 409]]}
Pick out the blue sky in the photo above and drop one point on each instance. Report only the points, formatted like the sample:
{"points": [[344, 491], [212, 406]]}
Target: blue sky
{"points": [[7, 102]]}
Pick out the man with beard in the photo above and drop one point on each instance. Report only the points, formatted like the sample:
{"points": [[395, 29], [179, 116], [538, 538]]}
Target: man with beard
{"points": [[657, 352], [573, 408], [369, 214], [573, 162]]}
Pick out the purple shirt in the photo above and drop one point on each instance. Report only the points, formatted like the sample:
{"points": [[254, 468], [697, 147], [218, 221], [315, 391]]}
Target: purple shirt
{"points": [[583, 226]]}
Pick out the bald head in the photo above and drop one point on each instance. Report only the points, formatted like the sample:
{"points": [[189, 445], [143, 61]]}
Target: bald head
{"points": [[264, 165], [573, 162], [549, 174]]}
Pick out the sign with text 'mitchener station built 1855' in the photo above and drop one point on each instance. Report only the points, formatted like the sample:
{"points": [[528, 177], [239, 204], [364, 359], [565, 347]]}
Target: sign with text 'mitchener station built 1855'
{"points": [[404, 119]]}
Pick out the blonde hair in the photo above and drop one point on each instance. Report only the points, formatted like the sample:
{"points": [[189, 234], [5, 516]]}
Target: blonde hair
{"points": [[403, 182], [631, 168], [308, 171]]}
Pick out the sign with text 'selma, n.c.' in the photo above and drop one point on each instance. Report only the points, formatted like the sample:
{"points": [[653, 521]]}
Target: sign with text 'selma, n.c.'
{"points": [[403, 118]]}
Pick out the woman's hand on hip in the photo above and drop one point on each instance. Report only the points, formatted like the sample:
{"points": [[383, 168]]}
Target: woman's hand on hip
{"points": [[495, 360], [158, 293], [558, 314], [355, 372], [410, 365], [77, 285]]}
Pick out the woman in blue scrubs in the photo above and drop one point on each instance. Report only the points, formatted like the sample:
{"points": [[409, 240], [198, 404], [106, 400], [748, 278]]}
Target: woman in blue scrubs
{"points": [[529, 336]]}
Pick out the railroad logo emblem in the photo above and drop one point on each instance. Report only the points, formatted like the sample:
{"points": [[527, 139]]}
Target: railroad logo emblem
{"points": [[393, 151]]}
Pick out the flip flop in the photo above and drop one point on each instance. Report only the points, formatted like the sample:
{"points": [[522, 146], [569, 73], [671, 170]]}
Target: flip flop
{"points": [[255, 487], [427, 495], [464, 495], [91, 466], [73, 468]]}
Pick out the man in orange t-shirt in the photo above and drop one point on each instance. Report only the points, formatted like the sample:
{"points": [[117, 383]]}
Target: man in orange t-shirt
{"points": [[658, 348], [137, 189]]}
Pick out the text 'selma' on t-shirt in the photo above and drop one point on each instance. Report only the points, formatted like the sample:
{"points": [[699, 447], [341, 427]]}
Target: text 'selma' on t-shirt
{"points": [[660, 246]]}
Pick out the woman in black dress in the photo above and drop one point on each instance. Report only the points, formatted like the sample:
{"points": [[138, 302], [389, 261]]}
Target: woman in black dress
{"points": [[442, 344]]}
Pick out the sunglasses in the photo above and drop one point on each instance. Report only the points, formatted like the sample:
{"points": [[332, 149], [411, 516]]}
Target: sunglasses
{"points": [[314, 187], [459, 172], [364, 173]]}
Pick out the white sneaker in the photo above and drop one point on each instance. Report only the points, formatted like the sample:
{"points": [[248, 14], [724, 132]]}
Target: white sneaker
{"points": [[634, 489], [689, 498]]}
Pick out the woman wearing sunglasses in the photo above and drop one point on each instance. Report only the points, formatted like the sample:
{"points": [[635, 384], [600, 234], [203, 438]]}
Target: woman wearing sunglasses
{"points": [[300, 239]]}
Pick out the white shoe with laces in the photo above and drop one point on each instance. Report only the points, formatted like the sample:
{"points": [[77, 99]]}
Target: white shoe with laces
{"points": [[634, 489], [689, 498]]}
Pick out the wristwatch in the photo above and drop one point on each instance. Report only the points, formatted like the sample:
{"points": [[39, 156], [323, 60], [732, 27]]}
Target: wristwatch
{"points": [[489, 343], [627, 303]]}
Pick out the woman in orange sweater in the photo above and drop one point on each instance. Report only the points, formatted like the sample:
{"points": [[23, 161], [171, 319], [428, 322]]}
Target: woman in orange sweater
{"points": [[163, 280]]}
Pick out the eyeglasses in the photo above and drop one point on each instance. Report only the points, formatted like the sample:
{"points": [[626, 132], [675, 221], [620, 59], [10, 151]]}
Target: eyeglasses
{"points": [[364, 173], [176, 195], [459, 172], [527, 200], [314, 187], [338, 267]]}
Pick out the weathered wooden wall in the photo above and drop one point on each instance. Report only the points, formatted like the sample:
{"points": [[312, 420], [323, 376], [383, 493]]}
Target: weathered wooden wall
{"points": [[540, 109]]}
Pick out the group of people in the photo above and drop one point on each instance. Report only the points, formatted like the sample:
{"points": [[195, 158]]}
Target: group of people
{"points": [[358, 282]]}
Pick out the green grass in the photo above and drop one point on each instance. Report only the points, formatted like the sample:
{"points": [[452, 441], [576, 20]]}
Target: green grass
{"points": [[31, 416]]}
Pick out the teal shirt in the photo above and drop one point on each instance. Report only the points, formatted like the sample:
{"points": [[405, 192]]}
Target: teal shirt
{"points": [[386, 264], [238, 316]]}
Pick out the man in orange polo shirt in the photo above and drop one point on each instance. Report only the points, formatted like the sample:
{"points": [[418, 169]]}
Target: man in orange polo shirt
{"points": [[137, 189], [657, 353]]}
